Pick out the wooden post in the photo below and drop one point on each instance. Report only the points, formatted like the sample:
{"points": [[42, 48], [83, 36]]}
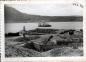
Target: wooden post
{"points": [[24, 30]]}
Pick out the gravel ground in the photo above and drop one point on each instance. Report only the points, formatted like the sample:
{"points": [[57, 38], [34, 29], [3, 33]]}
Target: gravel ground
{"points": [[13, 48]]}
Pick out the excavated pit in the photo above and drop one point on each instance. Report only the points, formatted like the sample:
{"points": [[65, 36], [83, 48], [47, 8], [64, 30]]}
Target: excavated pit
{"points": [[39, 48], [43, 47]]}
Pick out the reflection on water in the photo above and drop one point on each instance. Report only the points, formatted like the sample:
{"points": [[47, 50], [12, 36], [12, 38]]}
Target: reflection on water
{"points": [[15, 27]]}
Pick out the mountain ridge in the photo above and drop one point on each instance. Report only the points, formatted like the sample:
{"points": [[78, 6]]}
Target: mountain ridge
{"points": [[14, 16]]}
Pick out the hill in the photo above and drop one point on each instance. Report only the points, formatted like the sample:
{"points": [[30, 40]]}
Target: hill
{"points": [[14, 16]]}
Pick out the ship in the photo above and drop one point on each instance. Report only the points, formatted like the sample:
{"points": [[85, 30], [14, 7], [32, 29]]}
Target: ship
{"points": [[43, 24]]}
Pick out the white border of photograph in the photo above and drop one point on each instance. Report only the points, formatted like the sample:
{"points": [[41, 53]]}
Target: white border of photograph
{"points": [[40, 59]]}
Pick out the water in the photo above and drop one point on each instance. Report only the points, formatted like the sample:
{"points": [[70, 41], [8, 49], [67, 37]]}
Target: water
{"points": [[16, 27]]}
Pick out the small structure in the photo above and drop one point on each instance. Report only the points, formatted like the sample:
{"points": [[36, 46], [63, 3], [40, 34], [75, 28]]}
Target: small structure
{"points": [[70, 32]]}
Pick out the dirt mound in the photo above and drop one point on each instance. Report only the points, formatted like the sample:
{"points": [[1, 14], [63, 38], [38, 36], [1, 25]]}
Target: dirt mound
{"points": [[12, 51], [21, 39], [66, 52]]}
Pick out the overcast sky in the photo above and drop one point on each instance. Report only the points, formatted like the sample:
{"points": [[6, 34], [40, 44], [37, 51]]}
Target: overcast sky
{"points": [[49, 9]]}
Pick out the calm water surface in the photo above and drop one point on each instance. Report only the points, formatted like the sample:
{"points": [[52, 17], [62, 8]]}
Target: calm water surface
{"points": [[15, 27]]}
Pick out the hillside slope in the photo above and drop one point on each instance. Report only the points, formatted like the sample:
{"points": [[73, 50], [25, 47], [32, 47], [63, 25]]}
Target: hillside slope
{"points": [[14, 16]]}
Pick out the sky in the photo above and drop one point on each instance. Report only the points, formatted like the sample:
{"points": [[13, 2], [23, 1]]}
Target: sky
{"points": [[49, 9]]}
